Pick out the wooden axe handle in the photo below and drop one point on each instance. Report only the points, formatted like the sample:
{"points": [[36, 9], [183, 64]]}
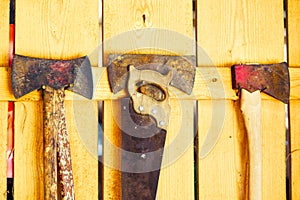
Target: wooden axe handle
{"points": [[56, 147], [251, 109]]}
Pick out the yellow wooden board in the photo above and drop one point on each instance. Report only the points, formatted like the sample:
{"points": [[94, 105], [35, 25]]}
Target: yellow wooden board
{"points": [[222, 172], [3, 147], [83, 128], [64, 30], [4, 32], [233, 32], [295, 148], [28, 154], [293, 22], [293, 26], [163, 27], [111, 184]]}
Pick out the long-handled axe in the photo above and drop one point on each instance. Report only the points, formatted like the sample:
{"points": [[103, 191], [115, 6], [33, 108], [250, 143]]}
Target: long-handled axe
{"points": [[54, 76], [272, 79]]}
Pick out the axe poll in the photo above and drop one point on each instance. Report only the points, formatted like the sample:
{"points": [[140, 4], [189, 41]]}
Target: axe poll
{"points": [[251, 79], [53, 77]]}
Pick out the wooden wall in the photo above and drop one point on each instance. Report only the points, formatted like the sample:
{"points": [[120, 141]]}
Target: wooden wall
{"points": [[226, 32]]}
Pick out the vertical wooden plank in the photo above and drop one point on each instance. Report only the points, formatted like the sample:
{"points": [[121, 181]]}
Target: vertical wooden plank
{"points": [[112, 184], [63, 30], [83, 125], [232, 32], [177, 174], [221, 173], [3, 147], [163, 27], [4, 47], [293, 26], [295, 148], [4, 32], [28, 157]]}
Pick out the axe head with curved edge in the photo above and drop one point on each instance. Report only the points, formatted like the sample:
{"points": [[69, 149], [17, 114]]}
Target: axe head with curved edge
{"points": [[272, 79], [29, 74]]}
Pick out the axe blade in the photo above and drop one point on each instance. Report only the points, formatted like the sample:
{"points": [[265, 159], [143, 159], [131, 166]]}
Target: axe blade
{"points": [[272, 79], [29, 74]]}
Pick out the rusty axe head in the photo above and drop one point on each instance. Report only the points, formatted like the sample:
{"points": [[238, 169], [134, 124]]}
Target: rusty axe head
{"points": [[29, 74], [272, 79]]}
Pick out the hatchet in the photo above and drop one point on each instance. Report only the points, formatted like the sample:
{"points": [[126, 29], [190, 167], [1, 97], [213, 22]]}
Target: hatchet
{"points": [[54, 76], [272, 79]]}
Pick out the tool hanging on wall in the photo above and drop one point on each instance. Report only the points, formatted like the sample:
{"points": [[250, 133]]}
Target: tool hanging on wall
{"points": [[145, 116], [272, 79], [10, 134], [54, 76]]}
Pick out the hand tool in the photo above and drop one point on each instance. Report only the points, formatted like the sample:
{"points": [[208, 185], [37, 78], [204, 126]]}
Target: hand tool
{"points": [[54, 76], [272, 79], [145, 116]]}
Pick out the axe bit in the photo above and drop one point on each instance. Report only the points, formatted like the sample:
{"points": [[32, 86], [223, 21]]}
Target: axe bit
{"points": [[272, 79], [53, 76]]}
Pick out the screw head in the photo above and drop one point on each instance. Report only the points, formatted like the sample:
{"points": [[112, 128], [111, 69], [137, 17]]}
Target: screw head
{"points": [[161, 123], [141, 108], [154, 111]]}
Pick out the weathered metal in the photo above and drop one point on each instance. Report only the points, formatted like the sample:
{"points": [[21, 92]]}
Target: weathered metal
{"points": [[142, 150], [251, 79], [148, 90], [29, 74], [183, 67], [272, 79], [53, 76], [145, 116]]}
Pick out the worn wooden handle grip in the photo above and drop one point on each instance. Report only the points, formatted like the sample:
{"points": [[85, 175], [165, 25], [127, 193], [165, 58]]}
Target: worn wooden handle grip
{"points": [[251, 108], [56, 147], [50, 144]]}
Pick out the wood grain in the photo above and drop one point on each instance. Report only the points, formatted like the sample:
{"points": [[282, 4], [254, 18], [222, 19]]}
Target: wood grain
{"points": [[28, 156], [221, 172], [112, 185], [4, 32], [3, 147], [56, 29], [163, 27], [295, 148], [231, 32], [293, 25], [64, 30], [82, 122]]}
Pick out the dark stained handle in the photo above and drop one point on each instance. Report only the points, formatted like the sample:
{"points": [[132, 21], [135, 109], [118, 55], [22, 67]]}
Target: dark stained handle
{"points": [[56, 146]]}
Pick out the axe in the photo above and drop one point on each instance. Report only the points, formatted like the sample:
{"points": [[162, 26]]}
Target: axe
{"points": [[54, 76], [272, 79]]}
